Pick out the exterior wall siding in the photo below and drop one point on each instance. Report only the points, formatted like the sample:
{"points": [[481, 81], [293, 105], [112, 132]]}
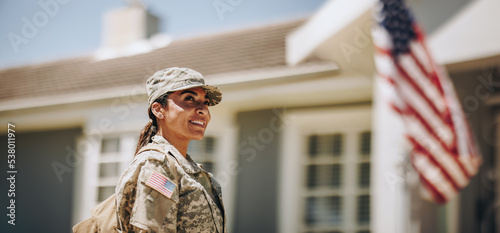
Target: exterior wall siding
{"points": [[43, 202], [257, 183], [475, 90]]}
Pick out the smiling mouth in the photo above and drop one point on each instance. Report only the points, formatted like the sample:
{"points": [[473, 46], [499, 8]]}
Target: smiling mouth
{"points": [[198, 123]]}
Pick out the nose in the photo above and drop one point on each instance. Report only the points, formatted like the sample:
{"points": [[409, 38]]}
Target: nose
{"points": [[202, 109]]}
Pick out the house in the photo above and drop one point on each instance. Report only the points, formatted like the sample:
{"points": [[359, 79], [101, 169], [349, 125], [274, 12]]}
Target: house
{"points": [[461, 39], [298, 143]]}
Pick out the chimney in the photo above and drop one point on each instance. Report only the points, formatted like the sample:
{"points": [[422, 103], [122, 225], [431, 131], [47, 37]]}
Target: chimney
{"points": [[127, 31]]}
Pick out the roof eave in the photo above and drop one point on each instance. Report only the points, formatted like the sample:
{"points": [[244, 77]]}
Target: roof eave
{"points": [[225, 80], [341, 13]]}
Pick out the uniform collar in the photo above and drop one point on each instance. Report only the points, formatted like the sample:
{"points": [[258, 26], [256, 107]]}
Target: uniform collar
{"points": [[188, 164]]}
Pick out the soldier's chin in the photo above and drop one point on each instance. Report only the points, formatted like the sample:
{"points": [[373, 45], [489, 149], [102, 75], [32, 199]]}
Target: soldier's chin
{"points": [[198, 136]]}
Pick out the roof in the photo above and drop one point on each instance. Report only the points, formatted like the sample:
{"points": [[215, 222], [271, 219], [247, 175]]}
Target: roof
{"points": [[449, 45], [245, 50]]}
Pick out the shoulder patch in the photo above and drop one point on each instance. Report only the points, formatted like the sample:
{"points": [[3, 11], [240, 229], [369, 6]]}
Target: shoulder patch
{"points": [[161, 184]]}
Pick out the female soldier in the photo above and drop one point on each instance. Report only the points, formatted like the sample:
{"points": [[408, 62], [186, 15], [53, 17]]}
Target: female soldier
{"points": [[167, 191]]}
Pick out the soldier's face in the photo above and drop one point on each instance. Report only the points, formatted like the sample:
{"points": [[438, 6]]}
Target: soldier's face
{"points": [[187, 114]]}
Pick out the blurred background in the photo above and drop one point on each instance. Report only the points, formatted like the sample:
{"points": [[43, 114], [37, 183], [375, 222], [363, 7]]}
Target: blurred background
{"points": [[300, 142]]}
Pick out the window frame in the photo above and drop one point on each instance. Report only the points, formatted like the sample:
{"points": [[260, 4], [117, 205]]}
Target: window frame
{"points": [[127, 142], [351, 121], [202, 157]]}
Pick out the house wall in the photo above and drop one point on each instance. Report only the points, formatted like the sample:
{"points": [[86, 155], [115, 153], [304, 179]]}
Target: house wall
{"points": [[257, 189], [476, 89], [43, 202]]}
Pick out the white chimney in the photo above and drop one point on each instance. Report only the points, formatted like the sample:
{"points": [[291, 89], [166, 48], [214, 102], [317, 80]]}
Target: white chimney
{"points": [[126, 31], [128, 25]]}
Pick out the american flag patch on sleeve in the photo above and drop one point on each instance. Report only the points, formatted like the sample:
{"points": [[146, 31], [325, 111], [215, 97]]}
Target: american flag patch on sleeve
{"points": [[161, 184]]}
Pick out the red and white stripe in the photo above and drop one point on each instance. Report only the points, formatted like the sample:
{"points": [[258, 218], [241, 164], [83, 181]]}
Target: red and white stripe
{"points": [[443, 151], [157, 181]]}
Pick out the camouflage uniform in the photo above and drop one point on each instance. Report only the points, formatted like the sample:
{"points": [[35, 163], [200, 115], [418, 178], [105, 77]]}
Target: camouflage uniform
{"points": [[195, 204]]}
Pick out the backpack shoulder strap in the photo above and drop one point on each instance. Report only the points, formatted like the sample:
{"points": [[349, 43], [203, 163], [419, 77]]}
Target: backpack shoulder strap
{"points": [[161, 150], [151, 146]]}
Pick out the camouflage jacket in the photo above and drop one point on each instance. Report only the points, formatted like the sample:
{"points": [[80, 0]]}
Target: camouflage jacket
{"points": [[181, 203]]}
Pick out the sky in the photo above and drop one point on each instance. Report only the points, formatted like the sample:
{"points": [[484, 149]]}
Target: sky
{"points": [[39, 31]]}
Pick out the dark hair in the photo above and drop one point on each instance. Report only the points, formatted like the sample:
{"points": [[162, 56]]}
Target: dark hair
{"points": [[151, 127]]}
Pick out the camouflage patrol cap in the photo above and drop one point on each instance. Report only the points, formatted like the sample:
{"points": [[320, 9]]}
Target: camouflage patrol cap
{"points": [[176, 79]]}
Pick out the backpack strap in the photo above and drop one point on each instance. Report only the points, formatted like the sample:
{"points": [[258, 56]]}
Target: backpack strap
{"points": [[152, 146], [160, 149]]}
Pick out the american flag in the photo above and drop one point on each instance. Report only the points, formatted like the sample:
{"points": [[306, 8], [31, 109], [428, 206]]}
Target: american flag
{"points": [[161, 184], [443, 152]]}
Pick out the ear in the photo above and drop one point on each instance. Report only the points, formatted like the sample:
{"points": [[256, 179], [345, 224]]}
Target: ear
{"points": [[157, 110]]}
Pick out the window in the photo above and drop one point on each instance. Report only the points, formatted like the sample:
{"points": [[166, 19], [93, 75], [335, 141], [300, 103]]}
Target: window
{"points": [[324, 211], [336, 182], [365, 143], [363, 210], [329, 145], [110, 146], [115, 154], [104, 192], [364, 171], [364, 175], [324, 176], [203, 151]]}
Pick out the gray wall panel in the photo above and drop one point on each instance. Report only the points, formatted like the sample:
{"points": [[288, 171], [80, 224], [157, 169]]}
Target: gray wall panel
{"points": [[475, 88], [257, 186], [43, 204]]}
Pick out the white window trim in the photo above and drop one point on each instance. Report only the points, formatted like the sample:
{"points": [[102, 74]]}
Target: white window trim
{"points": [[82, 204], [291, 180], [127, 145], [225, 132], [86, 175]]}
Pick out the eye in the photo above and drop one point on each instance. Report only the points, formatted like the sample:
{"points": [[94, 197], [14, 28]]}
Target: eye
{"points": [[206, 103], [189, 98]]}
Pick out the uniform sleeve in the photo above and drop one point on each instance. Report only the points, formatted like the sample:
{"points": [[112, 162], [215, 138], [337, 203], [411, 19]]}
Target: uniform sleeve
{"points": [[153, 200]]}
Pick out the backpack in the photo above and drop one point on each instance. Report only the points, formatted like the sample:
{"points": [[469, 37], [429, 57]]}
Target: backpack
{"points": [[103, 216]]}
